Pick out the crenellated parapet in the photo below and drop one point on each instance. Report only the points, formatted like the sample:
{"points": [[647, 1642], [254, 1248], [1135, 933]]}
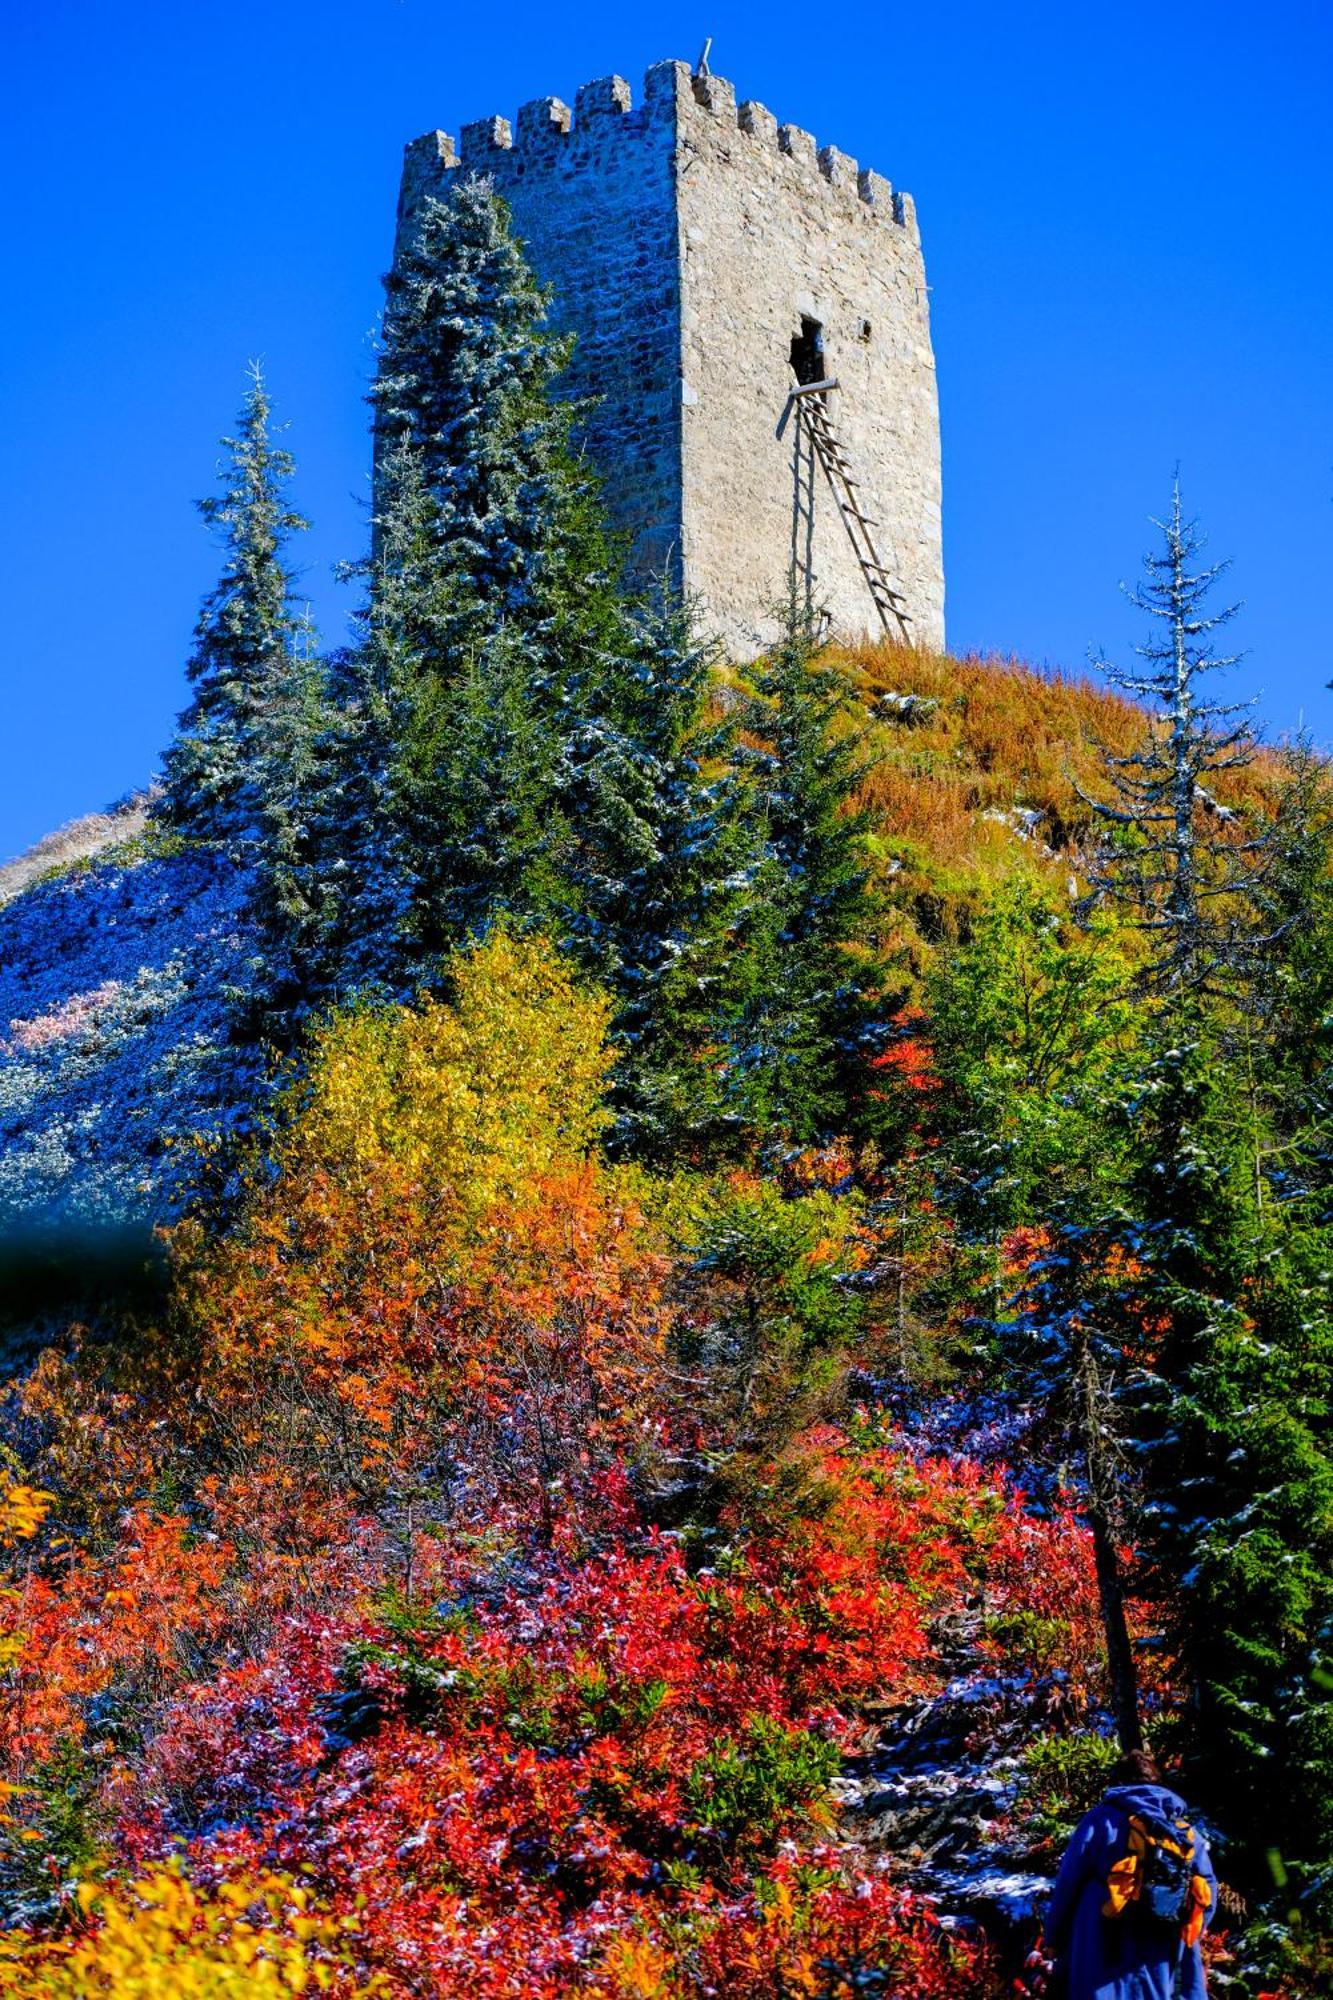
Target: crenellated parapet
{"points": [[548, 135]]}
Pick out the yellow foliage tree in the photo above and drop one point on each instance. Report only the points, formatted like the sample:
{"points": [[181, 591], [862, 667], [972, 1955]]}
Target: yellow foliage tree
{"points": [[23, 1508], [467, 1101], [377, 1310]]}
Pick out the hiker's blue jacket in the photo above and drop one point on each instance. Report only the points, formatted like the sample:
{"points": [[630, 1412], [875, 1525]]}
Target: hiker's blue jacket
{"points": [[1119, 1958]]}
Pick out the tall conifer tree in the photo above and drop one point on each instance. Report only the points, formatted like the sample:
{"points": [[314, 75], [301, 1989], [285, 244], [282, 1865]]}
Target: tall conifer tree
{"points": [[240, 770], [662, 868], [551, 740], [1218, 1257], [364, 831], [800, 1020], [249, 670], [518, 576], [1179, 863], [468, 370]]}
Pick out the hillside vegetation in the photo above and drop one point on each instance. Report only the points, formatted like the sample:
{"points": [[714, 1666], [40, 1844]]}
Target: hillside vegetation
{"points": [[968, 755], [741, 1295]]}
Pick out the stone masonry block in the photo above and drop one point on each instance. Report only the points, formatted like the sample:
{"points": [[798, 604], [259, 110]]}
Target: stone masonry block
{"points": [[716, 95], [873, 188], [759, 121], [483, 137], [838, 169], [432, 149], [605, 95], [542, 118], [425, 162], [666, 85], [797, 144]]}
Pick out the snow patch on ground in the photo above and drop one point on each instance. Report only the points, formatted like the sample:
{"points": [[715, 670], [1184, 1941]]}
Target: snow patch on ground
{"points": [[116, 1057]]}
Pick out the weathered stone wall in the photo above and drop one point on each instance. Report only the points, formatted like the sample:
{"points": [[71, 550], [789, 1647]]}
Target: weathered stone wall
{"points": [[774, 232], [687, 239], [593, 197]]}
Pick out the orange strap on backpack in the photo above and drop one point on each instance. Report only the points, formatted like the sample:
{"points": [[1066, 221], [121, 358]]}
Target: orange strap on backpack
{"points": [[1124, 1881], [1201, 1901]]}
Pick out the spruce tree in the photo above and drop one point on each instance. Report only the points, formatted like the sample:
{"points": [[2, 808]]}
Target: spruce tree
{"points": [[1248, 1442], [240, 772], [554, 761], [513, 734], [799, 1027], [1035, 1042], [1178, 861], [288, 899], [660, 868], [468, 371], [501, 843], [611, 818], [250, 668], [1218, 1255], [363, 830], [1233, 1433], [517, 576]]}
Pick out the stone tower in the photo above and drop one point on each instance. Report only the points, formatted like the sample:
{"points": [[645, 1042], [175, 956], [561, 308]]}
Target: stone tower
{"points": [[708, 260]]}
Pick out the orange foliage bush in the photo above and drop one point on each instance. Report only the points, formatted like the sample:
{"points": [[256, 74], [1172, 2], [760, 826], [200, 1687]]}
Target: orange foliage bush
{"points": [[439, 1270], [141, 1620]]}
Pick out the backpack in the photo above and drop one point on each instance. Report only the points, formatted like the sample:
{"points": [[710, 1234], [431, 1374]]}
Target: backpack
{"points": [[1156, 1878]]}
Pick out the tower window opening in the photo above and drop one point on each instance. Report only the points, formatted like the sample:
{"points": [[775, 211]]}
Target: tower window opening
{"points": [[807, 352]]}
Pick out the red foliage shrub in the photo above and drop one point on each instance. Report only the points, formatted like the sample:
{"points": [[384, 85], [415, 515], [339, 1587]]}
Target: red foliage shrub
{"points": [[583, 1749], [822, 1941]]}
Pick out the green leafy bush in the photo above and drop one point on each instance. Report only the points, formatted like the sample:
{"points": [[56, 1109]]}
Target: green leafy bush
{"points": [[1063, 1776], [746, 1793]]}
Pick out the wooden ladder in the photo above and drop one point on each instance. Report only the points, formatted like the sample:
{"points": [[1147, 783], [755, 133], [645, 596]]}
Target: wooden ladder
{"points": [[812, 412]]}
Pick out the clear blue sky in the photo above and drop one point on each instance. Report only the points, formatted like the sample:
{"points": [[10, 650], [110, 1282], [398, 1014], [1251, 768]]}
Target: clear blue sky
{"points": [[1128, 220]]}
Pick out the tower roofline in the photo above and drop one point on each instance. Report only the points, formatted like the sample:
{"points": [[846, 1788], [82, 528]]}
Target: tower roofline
{"points": [[547, 129]]}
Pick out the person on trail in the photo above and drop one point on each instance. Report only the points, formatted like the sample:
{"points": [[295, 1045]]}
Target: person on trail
{"points": [[1135, 1892]]}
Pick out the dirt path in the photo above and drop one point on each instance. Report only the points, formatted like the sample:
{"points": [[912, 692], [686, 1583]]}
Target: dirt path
{"points": [[932, 1792]]}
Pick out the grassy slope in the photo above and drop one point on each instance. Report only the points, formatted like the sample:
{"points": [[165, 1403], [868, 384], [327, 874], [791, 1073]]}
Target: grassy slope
{"points": [[981, 776]]}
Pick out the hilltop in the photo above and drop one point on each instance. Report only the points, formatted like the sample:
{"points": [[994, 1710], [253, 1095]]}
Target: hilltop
{"points": [[119, 947], [969, 754]]}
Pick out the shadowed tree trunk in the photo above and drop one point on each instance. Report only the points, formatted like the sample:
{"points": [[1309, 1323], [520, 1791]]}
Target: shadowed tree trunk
{"points": [[1102, 1511]]}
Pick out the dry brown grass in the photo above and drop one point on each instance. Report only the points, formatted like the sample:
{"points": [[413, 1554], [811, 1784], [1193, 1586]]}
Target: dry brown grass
{"points": [[1000, 736], [82, 840], [991, 780]]}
